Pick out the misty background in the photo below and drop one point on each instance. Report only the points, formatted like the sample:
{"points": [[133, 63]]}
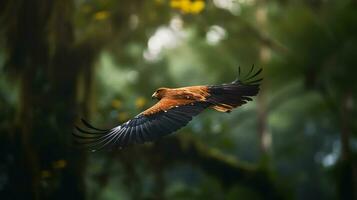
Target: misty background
{"points": [[62, 60]]}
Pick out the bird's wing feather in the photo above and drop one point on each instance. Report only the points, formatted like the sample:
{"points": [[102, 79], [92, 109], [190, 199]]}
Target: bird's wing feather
{"points": [[226, 97], [161, 119]]}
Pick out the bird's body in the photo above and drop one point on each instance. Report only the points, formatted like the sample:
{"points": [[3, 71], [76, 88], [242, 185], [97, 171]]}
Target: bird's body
{"points": [[171, 97], [175, 108]]}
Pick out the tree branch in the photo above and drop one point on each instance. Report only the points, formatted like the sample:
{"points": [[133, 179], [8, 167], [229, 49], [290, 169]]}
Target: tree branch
{"points": [[227, 169]]}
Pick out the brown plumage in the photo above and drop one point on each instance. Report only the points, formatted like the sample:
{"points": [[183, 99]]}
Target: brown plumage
{"points": [[175, 108]]}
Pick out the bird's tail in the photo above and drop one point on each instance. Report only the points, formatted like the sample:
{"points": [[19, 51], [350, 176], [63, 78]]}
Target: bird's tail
{"points": [[225, 97]]}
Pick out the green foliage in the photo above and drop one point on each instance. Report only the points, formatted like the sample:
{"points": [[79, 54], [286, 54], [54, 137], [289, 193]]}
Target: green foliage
{"points": [[102, 59]]}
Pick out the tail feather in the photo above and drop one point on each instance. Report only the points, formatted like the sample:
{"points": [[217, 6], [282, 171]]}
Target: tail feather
{"points": [[226, 97]]}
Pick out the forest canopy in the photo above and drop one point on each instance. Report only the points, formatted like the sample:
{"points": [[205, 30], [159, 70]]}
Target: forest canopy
{"points": [[101, 60]]}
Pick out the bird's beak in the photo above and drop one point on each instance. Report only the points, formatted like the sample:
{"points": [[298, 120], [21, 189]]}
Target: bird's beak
{"points": [[153, 96]]}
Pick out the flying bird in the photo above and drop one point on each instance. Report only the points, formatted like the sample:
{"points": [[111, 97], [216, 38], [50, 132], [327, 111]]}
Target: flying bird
{"points": [[174, 109]]}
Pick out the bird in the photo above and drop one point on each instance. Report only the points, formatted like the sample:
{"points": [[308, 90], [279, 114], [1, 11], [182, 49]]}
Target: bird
{"points": [[175, 109]]}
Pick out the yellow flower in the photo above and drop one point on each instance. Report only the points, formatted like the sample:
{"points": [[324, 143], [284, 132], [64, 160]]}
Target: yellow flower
{"points": [[197, 6], [123, 116], [116, 103], [188, 6], [101, 15], [175, 4], [59, 164], [45, 174], [140, 102]]}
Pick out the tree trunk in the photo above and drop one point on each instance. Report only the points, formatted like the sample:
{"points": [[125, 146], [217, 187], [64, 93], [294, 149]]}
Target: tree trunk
{"points": [[42, 56], [346, 168], [264, 58]]}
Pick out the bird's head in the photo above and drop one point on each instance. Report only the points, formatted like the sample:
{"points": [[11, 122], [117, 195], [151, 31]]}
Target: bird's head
{"points": [[159, 93]]}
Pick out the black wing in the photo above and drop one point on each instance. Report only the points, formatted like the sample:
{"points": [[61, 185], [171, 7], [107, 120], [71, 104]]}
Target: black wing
{"points": [[142, 128], [238, 92]]}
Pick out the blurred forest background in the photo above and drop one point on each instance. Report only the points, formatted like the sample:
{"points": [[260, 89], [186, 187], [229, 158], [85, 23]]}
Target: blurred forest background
{"points": [[102, 59]]}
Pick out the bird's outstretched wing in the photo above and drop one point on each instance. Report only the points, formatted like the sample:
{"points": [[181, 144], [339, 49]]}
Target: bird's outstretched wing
{"points": [[163, 118], [226, 97], [171, 113]]}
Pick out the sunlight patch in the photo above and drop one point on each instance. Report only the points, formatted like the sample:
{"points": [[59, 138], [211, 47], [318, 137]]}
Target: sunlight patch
{"points": [[215, 34]]}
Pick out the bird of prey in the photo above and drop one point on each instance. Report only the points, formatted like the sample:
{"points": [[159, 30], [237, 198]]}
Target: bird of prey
{"points": [[174, 109]]}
